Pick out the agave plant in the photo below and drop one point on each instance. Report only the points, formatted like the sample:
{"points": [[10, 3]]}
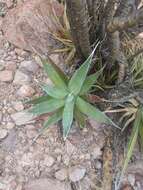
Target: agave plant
{"points": [[67, 99]]}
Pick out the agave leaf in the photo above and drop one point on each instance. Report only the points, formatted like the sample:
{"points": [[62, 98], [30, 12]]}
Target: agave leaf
{"points": [[54, 92], [77, 80], [51, 121], [132, 141], [93, 112], [141, 135], [90, 81], [47, 106], [68, 115], [80, 118], [38, 100], [56, 75], [141, 131]]}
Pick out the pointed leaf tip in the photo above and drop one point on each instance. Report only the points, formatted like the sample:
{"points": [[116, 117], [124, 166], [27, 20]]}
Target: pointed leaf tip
{"points": [[93, 112], [77, 80]]}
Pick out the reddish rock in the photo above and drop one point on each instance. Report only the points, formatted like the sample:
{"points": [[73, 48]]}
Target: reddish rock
{"points": [[6, 76], [127, 187], [25, 91], [46, 184], [9, 3], [30, 25]]}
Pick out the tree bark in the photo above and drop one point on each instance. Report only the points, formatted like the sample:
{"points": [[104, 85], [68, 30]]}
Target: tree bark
{"points": [[78, 17]]}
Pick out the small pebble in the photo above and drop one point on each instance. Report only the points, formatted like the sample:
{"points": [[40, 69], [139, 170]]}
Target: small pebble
{"points": [[6, 76], [77, 173], [49, 161], [131, 179], [21, 78], [61, 175], [10, 125], [1, 67], [30, 66], [18, 106], [25, 91], [3, 134]]}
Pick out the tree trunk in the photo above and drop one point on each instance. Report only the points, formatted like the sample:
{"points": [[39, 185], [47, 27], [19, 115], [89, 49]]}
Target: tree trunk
{"points": [[92, 20], [78, 16]]}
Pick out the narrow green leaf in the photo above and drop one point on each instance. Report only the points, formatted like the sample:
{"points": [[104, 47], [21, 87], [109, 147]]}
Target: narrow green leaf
{"points": [[93, 112], [141, 135], [68, 115], [90, 81], [54, 73], [54, 92], [47, 106], [132, 142], [80, 118], [51, 121], [77, 80], [141, 130], [38, 100]]}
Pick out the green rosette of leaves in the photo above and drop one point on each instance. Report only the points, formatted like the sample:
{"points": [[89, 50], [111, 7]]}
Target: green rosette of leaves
{"points": [[66, 99]]}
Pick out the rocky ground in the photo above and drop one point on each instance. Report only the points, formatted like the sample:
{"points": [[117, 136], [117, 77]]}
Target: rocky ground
{"points": [[49, 160], [49, 163]]}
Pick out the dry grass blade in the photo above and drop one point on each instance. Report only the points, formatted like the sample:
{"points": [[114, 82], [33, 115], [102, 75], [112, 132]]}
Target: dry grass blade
{"points": [[129, 121], [131, 144], [63, 36], [115, 111], [124, 116]]}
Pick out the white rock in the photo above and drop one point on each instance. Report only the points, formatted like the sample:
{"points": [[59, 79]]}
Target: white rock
{"points": [[131, 179], [2, 186], [25, 91], [1, 67], [23, 117], [49, 161], [96, 152], [98, 165], [77, 173], [6, 76], [21, 78], [18, 106], [1, 117], [62, 174], [30, 66], [9, 3], [3, 134], [10, 125]]}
